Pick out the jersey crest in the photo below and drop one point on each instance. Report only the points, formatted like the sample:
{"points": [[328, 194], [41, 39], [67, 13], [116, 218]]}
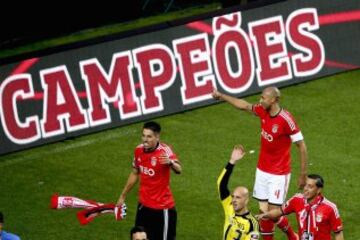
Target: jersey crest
{"points": [[275, 128], [153, 161], [319, 217]]}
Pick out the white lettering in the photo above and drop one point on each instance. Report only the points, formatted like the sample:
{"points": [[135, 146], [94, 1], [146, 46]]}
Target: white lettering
{"points": [[266, 135], [147, 171]]}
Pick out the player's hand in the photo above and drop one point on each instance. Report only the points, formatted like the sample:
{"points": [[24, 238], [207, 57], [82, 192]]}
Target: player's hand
{"points": [[301, 181], [121, 201], [261, 216], [216, 94], [164, 159], [237, 154], [120, 212]]}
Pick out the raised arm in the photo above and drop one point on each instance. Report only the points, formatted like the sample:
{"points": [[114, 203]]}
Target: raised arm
{"points": [[132, 179], [236, 102], [223, 180]]}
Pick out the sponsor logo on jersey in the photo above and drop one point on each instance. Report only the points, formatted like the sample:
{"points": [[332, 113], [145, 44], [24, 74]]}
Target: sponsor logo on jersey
{"points": [[147, 171], [240, 226], [266, 135]]}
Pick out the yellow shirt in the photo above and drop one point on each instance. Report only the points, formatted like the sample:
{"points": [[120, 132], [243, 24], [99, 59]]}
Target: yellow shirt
{"points": [[236, 227]]}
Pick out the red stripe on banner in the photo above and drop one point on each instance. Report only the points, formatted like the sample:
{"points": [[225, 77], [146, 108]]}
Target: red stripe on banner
{"points": [[200, 26], [40, 96], [334, 64], [333, 18], [24, 66], [340, 65], [81, 94], [37, 96]]}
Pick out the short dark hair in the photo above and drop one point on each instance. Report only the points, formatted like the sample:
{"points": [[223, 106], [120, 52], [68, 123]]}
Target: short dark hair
{"points": [[1, 217], [136, 229], [319, 180], [154, 126]]}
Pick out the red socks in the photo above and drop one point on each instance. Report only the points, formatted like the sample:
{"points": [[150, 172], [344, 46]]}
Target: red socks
{"points": [[284, 225], [267, 229]]}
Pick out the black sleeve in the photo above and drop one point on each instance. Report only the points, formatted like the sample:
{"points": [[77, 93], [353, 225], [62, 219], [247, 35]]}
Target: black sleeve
{"points": [[223, 185]]}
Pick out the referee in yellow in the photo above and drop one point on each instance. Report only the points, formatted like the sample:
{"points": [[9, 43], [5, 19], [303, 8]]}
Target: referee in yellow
{"points": [[239, 224]]}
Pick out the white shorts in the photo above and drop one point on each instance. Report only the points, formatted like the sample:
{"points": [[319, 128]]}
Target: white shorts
{"points": [[270, 187]]}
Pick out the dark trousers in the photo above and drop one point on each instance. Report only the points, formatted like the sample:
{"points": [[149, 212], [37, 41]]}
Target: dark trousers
{"points": [[159, 224]]}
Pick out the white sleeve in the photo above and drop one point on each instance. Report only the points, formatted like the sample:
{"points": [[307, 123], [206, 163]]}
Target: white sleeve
{"points": [[297, 137]]}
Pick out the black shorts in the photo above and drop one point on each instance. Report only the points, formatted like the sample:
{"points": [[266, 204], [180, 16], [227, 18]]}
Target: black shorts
{"points": [[159, 224]]}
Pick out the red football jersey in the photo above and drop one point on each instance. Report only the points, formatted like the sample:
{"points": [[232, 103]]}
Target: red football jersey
{"points": [[154, 190], [277, 133], [325, 217]]}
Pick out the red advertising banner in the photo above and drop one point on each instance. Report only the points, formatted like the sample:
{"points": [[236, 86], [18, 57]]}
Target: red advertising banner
{"points": [[65, 94]]}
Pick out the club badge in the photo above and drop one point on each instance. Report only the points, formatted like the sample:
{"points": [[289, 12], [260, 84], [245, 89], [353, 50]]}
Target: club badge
{"points": [[275, 128], [153, 161], [318, 217]]}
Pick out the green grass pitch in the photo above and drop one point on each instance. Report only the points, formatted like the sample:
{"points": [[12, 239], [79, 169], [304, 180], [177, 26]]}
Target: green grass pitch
{"points": [[96, 166]]}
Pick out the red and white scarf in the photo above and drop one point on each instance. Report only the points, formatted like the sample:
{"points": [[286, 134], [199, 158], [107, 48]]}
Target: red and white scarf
{"points": [[91, 208], [308, 215]]}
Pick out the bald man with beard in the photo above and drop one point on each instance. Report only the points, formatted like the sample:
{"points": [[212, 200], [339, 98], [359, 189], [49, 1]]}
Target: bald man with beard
{"points": [[239, 222], [278, 131]]}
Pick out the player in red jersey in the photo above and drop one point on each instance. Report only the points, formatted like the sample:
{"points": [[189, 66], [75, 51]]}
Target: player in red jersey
{"points": [[152, 162], [278, 131], [317, 217]]}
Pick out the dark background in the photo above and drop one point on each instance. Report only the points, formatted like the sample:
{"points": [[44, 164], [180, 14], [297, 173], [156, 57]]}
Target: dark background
{"points": [[23, 22]]}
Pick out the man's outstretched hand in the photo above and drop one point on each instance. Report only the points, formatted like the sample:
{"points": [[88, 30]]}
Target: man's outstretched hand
{"points": [[237, 154]]}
